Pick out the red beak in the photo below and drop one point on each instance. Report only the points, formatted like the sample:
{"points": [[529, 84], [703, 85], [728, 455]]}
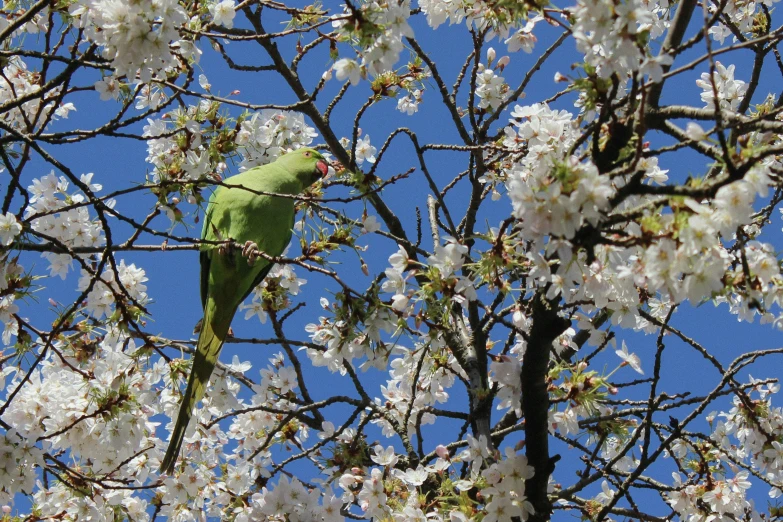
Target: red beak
{"points": [[322, 167]]}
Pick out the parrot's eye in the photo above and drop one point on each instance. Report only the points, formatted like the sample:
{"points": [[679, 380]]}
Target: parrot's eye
{"points": [[307, 154]]}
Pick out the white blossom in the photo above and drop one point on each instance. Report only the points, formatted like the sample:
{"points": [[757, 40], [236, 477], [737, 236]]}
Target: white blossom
{"points": [[9, 228], [223, 13]]}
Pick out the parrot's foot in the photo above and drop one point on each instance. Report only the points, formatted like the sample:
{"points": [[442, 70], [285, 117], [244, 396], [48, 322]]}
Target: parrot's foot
{"points": [[223, 249], [250, 251], [230, 333]]}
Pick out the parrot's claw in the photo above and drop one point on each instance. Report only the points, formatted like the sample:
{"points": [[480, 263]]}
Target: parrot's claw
{"points": [[250, 251], [222, 250]]}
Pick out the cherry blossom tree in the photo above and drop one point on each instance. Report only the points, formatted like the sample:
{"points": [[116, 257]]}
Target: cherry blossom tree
{"points": [[500, 285]]}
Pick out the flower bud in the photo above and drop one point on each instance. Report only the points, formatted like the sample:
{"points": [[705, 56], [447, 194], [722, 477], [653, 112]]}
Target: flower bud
{"points": [[695, 132], [442, 452]]}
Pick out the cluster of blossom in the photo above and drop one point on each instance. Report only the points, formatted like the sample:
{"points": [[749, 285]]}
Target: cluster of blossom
{"points": [[251, 430], [444, 264], [140, 39], [194, 492], [293, 499], [74, 227], [757, 427], [365, 151], [380, 34], [149, 96], [752, 433], [555, 196], [741, 14], [500, 18], [725, 499], [71, 227], [558, 203], [194, 487], [343, 343], [392, 492], [56, 397], [369, 489], [545, 132], [178, 145], [612, 36], [39, 23], [105, 291], [18, 459], [17, 81], [583, 389], [505, 492], [100, 504], [448, 260], [506, 370], [730, 91], [419, 379], [11, 274], [204, 448], [552, 194], [490, 88], [653, 173], [766, 287], [409, 104], [612, 447], [693, 266], [267, 134], [280, 276], [87, 397], [94, 398]]}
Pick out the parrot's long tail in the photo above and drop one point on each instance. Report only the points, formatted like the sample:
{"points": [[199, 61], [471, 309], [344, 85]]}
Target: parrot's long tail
{"points": [[210, 340]]}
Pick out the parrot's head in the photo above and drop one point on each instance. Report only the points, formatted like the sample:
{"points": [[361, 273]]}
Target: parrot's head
{"points": [[308, 165]]}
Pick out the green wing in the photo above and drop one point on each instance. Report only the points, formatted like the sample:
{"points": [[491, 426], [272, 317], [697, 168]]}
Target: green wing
{"points": [[207, 233]]}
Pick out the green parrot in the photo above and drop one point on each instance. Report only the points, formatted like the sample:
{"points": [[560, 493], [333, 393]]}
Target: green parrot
{"points": [[256, 221]]}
